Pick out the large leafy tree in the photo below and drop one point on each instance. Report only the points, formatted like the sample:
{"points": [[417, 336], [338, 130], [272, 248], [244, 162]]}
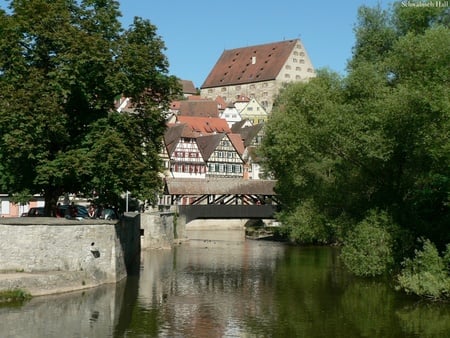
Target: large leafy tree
{"points": [[62, 64], [376, 139]]}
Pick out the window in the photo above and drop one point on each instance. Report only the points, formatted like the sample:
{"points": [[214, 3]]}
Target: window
{"points": [[294, 60], [288, 67]]}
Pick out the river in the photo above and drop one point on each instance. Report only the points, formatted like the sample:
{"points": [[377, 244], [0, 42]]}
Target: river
{"points": [[218, 284]]}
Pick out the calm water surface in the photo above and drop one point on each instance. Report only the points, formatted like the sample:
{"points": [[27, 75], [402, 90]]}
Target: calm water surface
{"points": [[220, 285]]}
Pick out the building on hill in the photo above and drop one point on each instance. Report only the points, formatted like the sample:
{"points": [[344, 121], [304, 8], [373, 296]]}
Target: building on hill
{"points": [[222, 154], [254, 112], [231, 115], [188, 88], [181, 155], [258, 72], [251, 135]]}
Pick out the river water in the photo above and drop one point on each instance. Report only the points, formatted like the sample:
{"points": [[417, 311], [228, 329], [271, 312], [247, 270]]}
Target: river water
{"points": [[218, 284]]}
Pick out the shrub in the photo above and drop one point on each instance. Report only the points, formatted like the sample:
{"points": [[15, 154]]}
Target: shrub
{"points": [[306, 225], [368, 249], [14, 296], [426, 274]]}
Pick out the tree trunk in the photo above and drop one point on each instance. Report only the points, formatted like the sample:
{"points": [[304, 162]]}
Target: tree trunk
{"points": [[51, 196]]}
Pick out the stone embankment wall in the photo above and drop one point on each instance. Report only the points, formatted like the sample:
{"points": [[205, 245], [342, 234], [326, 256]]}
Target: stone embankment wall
{"points": [[160, 230], [73, 254]]}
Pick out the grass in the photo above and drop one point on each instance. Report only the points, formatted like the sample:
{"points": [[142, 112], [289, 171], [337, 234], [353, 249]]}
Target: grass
{"points": [[14, 296]]}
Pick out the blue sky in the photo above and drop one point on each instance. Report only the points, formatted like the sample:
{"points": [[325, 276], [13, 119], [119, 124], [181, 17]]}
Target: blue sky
{"points": [[197, 32]]}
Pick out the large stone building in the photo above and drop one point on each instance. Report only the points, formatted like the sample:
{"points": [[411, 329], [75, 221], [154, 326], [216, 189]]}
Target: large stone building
{"points": [[258, 72]]}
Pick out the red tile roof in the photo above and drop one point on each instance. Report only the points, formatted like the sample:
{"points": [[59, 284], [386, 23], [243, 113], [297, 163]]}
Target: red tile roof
{"points": [[205, 125], [250, 64]]}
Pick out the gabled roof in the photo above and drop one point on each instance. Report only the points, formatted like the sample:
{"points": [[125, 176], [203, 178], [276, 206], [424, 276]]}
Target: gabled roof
{"points": [[221, 104], [171, 137], [250, 64], [249, 133], [207, 144], [188, 87], [201, 108], [237, 143], [205, 125], [173, 134], [237, 126]]}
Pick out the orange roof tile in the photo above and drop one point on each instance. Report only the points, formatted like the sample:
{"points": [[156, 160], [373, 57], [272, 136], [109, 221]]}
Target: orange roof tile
{"points": [[205, 125]]}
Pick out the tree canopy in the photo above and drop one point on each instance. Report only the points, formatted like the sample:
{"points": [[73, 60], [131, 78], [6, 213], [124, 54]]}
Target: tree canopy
{"points": [[63, 64], [377, 138]]}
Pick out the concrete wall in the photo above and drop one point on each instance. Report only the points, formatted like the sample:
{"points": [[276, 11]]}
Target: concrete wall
{"points": [[100, 250]]}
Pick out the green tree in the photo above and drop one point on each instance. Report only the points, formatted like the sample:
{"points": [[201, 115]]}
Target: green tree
{"points": [[62, 64], [426, 273], [377, 139]]}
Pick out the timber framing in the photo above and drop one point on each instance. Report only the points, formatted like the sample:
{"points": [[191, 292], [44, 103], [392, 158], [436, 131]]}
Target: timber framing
{"points": [[224, 191]]}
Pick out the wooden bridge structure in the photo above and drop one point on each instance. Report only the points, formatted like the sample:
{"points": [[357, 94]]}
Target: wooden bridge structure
{"points": [[222, 198]]}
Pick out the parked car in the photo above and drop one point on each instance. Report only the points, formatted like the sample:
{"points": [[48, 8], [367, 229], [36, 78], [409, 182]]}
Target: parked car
{"points": [[34, 212], [81, 211]]}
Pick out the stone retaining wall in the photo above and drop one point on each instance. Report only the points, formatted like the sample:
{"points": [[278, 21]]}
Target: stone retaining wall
{"points": [[160, 230], [95, 251]]}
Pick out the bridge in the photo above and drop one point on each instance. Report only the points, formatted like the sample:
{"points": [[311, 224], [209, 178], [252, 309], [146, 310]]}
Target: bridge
{"points": [[222, 198]]}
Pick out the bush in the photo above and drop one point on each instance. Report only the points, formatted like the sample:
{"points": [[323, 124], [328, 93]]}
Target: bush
{"points": [[306, 225], [368, 249], [427, 274]]}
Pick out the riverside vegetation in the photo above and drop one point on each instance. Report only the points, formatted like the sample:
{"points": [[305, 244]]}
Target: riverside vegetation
{"points": [[16, 296], [363, 160]]}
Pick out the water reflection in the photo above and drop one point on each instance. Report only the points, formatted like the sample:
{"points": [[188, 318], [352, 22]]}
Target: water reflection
{"points": [[220, 285], [91, 313]]}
